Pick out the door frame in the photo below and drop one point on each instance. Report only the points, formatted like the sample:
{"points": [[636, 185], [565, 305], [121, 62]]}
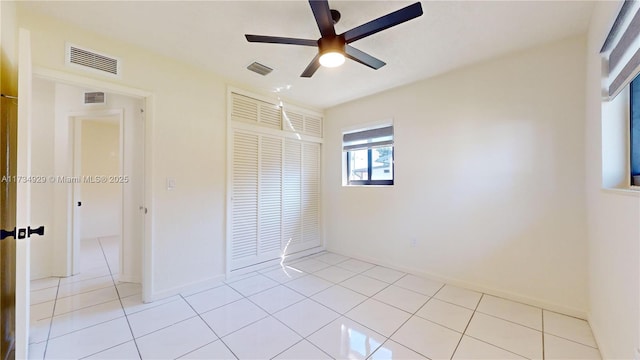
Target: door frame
{"points": [[23, 196], [148, 99], [77, 118]]}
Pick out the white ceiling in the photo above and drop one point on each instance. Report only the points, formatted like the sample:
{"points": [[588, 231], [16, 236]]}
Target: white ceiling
{"points": [[209, 35]]}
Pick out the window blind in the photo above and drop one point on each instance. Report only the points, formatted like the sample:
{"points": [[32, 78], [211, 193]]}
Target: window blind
{"points": [[368, 139], [621, 50]]}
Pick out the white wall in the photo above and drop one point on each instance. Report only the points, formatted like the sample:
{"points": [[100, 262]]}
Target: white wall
{"points": [[101, 202], [489, 178], [188, 144], [613, 215]]}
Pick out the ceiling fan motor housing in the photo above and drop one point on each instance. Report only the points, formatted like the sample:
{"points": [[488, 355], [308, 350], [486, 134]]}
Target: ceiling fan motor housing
{"points": [[331, 44]]}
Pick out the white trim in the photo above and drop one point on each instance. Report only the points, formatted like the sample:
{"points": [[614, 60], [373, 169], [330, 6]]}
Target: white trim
{"points": [[257, 129], [81, 81], [271, 100], [148, 277], [228, 189], [269, 263], [23, 196], [633, 191], [274, 99], [301, 110], [192, 287]]}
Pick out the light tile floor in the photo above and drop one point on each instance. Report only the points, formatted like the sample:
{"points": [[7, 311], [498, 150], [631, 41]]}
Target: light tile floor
{"points": [[319, 307]]}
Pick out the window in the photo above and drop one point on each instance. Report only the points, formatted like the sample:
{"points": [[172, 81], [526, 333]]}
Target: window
{"points": [[369, 156], [621, 60], [635, 132]]}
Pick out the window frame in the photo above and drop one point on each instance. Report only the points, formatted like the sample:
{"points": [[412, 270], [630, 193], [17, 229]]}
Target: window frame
{"points": [[368, 136], [634, 131], [370, 170]]}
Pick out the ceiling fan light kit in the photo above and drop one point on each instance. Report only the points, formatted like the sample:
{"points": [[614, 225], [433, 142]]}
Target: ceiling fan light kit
{"points": [[331, 50], [334, 48]]}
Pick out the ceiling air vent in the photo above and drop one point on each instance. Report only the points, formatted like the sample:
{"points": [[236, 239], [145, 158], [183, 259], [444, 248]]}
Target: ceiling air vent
{"points": [[89, 59], [94, 98], [258, 68]]}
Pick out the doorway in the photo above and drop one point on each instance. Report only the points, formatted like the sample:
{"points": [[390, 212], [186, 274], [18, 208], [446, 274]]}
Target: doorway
{"points": [[95, 153], [97, 193]]}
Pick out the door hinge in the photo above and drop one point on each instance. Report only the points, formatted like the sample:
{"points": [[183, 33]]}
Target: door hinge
{"points": [[21, 233]]}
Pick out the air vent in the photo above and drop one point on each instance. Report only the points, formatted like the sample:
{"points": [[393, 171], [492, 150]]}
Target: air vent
{"points": [[94, 98], [89, 59], [259, 68]]}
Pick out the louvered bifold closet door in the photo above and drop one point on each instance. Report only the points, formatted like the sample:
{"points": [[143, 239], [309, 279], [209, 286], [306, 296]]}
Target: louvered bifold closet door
{"points": [[249, 110], [270, 197], [244, 109], [294, 122], [301, 195], [313, 126], [256, 198], [311, 194], [291, 196], [244, 197], [274, 189]]}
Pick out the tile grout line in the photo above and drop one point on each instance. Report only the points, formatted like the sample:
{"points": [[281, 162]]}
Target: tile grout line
{"points": [[542, 318], [469, 322], [304, 297], [302, 338], [46, 345], [367, 297], [120, 299], [483, 341], [467, 326], [406, 321], [498, 347], [209, 326]]}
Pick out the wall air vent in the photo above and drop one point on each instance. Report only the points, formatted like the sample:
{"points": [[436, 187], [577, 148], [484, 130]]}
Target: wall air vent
{"points": [[258, 68], [91, 60], [95, 97]]}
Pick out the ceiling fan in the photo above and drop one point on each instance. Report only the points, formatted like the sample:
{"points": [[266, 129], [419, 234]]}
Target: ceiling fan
{"points": [[332, 47]]}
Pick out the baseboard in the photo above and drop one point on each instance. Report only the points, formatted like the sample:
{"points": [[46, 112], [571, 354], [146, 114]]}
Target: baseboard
{"points": [[128, 279], [273, 262], [191, 287], [595, 329], [216, 280], [582, 314]]}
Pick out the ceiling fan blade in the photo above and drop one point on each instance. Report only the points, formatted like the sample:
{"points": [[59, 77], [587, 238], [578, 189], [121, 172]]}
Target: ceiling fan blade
{"points": [[313, 66], [322, 13], [280, 40], [384, 22], [363, 58]]}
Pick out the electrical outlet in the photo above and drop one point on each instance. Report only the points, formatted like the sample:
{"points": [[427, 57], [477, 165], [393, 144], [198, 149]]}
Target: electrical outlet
{"points": [[171, 183], [413, 242], [636, 354]]}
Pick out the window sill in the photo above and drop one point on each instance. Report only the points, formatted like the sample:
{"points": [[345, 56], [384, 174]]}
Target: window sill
{"points": [[367, 186], [631, 191]]}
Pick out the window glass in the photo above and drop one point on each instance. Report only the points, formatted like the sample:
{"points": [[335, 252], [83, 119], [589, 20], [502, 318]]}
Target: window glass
{"points": [[382, 163], [359, 165]]}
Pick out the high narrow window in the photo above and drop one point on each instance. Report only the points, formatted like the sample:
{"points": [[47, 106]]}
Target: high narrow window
{"points": [[635, 132], [369, 156]]}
